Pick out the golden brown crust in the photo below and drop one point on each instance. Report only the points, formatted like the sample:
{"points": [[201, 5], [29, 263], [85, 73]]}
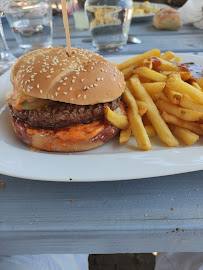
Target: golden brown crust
{"points": [[84, 78], [167, 18]]}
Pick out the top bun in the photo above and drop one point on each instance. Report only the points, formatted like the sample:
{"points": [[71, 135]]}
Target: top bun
{"points": [[85, 78], [167, 19]]}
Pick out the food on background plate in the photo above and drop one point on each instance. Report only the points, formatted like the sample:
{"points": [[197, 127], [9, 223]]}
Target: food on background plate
{"points": [[145, 8], [57, 102], [172, 95], [167, 19]]}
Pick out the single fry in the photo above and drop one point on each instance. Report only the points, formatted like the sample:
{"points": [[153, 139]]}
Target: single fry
{"points": [[135, 120], [188, 137], [152, 113], [185, 114], [168, 56], [163, 65], [174, 96], [195, 84], [128, 72], [155, 97], [200, 82], [177, 60], [162, 96], [120, 121], [154, 88], [150, 74], [193, 126], [142, 107], [187, 102], [151, 132], [125, 135], [135, 60], [185, 88]]}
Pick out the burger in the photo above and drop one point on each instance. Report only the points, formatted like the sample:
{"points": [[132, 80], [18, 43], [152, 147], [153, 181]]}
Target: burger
{"points": [[57, 102]]}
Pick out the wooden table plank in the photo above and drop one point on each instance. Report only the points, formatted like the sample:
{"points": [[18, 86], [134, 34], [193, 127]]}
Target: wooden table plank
{"points": [[43, 217]]}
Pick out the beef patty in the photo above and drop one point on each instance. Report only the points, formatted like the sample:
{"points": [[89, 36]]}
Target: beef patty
{"points": [[60, 114]]}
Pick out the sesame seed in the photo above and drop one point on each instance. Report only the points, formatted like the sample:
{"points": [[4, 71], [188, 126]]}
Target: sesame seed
{"points": [[28, 90], [74, 77], [85, 88], [65, 93], [40, 71], [73, 81], [41, 91], [95, 84], [64, 83], [102, 69], [65, 78], [98, 79], [78, 96], [52, 96], [119, 85], [70, 88], [61, 81], [102, 78], [49, 76], [106, 70], [92, 68], [91, 85], [37, 85], [82, 80], [51, 71], [56, 94], [85, 96], [71, 99], [58, 88]]}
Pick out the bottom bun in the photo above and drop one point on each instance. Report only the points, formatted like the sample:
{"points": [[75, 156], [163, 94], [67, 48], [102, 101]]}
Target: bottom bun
{"points": [[44, 140]]}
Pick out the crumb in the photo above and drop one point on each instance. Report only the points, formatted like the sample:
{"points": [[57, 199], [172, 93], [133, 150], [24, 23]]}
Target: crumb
{"points": [[2, 185], [145, 215], [72, 201], [172, 209], [196, 189]]}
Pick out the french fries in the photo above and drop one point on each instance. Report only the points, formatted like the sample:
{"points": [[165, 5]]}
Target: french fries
{"points": [[135, 120], [139, 58], [185, 114], [120, 121], [150, 74], [125, 135], [153, 114], [162, 97], [154, 88], [188, 137], [168, 56], [185, 88]]}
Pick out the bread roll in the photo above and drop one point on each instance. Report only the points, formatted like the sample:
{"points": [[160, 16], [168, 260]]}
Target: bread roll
{"points": [[167, 19]]}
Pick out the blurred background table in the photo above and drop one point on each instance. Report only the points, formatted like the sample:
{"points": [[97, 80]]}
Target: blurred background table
{"points": [[156, 214]]}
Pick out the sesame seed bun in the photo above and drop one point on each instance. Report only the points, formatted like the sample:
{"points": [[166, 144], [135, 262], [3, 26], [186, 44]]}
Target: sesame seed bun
{"points": [[85, 78]]}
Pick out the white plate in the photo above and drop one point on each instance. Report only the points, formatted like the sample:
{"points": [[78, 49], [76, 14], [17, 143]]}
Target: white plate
{"points": [[144, 17], [108, 162]]}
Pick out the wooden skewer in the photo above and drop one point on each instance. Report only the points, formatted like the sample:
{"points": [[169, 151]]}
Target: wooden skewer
{"points": [[66, 26]]}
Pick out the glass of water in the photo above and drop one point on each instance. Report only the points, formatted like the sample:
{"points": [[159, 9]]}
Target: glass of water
{"points": [[31, 22], [109, 22], [6, 58]]}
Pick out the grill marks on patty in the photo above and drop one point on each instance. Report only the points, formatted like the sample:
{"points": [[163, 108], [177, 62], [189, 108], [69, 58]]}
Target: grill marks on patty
{"points": [[60, 114]]}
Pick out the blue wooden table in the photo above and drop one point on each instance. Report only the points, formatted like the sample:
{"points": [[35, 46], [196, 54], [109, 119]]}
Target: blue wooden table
{"points": [[154, 214]]}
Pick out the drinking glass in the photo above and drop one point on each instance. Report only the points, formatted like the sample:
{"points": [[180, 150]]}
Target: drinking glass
{"points": [[31, 22], [109, 22], [79, 14], [6, 58]]}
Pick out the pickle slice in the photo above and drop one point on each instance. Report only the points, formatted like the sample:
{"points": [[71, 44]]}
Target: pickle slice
{"points": [[35, 104]]}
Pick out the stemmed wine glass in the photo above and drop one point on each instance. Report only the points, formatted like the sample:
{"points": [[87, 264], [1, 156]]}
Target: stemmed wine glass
{"points": [[6, 57]]}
